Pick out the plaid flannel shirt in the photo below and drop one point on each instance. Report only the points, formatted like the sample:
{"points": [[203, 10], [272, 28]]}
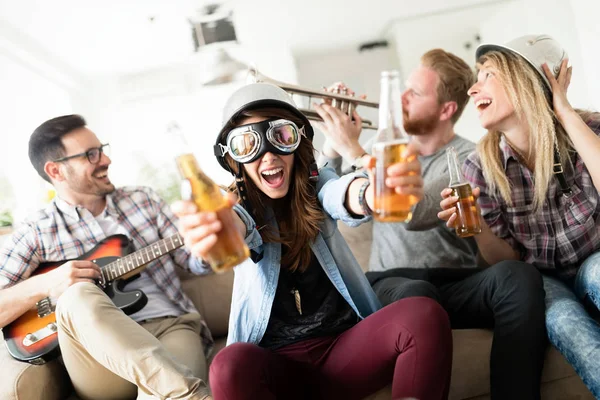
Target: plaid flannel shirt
{"points": [[562, 233], [65, 232]]}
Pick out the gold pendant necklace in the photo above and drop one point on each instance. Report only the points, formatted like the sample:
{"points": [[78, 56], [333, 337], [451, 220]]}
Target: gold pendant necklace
{"points": [[297, 299]]}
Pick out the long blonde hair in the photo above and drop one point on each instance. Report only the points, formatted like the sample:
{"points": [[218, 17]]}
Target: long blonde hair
{"points": [[299, 213], [531, 101]]}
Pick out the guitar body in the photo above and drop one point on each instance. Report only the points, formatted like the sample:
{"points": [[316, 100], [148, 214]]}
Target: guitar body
{"points": [[33, 338]]}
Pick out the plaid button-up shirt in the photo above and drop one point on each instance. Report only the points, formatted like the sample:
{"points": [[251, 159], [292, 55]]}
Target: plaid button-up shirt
{"points": [[65, 232], [562, 233]]}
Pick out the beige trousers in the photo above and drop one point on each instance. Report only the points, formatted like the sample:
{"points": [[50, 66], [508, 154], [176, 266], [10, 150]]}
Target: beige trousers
{"points": [[110, 356]]}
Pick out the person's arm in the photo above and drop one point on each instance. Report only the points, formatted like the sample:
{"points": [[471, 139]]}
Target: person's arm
{"points": [[494, 242], [492, 248], [341, 132], [425, 213], [199, 229], [405, 178], [327, 159], [585, 140], [17, 299], [21, 291]]}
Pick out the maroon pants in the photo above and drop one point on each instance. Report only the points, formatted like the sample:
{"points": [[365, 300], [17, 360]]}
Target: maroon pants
{"points": [[408, 344]]}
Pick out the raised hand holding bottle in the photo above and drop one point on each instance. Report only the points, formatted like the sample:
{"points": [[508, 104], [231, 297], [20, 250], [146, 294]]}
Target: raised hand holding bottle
{"points": [[388, 149], [230, 248], [467, 211]]}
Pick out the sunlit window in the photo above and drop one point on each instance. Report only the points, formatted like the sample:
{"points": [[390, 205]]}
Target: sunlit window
{"points": [[27, 98]]}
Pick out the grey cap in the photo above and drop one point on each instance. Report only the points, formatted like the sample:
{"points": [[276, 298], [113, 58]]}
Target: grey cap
{"points": [[258, 95], [535, 49]]}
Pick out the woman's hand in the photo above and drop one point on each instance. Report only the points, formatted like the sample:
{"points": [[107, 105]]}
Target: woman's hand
{"points": [[448, 205], [560, 86], [199, 229]]}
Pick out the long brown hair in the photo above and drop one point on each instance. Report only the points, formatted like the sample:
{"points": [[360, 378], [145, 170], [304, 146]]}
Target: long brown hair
{"points": [[532, 104], [299, 213]]}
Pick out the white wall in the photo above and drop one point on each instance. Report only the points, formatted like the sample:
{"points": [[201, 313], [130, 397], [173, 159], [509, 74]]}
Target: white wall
{"points": [[588, 28], [132, 112], [34, 86], [455, 32], [522, 17]]}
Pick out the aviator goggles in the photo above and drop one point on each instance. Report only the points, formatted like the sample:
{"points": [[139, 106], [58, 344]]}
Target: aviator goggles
{"points": [[247, 143]]}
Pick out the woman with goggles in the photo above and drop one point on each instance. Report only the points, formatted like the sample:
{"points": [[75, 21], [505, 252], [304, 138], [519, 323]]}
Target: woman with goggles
{"points": [[304, 322]]}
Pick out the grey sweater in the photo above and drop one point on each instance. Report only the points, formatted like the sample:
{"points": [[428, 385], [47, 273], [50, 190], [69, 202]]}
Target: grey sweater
{"points": [[424, 242]]}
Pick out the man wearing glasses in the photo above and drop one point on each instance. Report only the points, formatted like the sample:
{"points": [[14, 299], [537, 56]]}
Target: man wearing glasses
{"points": [[158, 351]]}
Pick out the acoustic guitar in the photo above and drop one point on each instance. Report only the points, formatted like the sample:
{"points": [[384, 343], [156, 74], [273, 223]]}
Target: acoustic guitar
{"points": [[33, 336]]}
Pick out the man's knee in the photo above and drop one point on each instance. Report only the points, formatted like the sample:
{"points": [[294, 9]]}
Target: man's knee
{"points": [[518, 290], [517, 276], [419, 289], [389, 292], [78, 299]]}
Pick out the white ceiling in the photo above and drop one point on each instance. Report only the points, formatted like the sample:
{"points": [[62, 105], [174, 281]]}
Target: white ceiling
{"points": [[123, 36]]}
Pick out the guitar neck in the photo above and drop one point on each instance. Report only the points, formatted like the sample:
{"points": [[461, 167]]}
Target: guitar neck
{"points": [[133, 261]]}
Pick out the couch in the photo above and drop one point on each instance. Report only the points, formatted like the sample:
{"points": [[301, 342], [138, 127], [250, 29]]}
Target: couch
{"points": [[212, 297]]}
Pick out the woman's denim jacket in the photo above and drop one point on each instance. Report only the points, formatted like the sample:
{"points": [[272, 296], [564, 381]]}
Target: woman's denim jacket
{"points": [[255, 283]]}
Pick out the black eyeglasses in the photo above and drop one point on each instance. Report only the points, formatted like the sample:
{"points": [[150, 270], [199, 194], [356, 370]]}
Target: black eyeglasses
{"points": [[93, 154]]}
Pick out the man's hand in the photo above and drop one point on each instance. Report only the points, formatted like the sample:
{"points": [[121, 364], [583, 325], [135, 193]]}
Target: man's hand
{"points": [[61, 278], [405, 177], [340, 130]]}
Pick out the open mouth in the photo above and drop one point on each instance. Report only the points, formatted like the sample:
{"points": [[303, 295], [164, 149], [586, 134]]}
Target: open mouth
{"points": [[273, 177], [101, 175], [482, 104]]}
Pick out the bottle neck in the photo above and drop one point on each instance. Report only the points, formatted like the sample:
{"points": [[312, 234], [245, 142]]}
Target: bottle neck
{"points": [[390, 107], [454, 171]]}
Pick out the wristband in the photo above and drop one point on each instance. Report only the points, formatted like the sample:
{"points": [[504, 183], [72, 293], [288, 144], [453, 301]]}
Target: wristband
{"points": [[358, 162], [362, 200]]}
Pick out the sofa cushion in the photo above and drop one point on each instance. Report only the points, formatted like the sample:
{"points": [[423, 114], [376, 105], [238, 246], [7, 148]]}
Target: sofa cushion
{"points": [[23, 381], [471, 371], [359, 240], [470, 364], [211, 294]]}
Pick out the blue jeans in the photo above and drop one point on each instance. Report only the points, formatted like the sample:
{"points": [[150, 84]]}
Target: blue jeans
{"points": [[570, 327]]}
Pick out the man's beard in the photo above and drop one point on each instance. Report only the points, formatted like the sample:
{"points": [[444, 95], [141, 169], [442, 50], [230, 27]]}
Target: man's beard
{"points": [[83, 185], [423, 126]]}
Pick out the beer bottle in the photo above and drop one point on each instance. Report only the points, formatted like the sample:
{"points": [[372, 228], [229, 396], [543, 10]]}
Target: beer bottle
{"points": [[390, 142], [467, 212], [230, 249]]}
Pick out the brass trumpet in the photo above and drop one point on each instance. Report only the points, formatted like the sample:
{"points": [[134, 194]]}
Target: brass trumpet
{"points": [[339, 100]]}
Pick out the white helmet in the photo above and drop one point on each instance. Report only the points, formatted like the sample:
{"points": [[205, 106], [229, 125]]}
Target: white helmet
{"points": [[535, 49]]}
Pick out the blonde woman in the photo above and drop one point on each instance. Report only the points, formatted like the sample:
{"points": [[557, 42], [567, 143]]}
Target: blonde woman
{"points": [[538, 176]]}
